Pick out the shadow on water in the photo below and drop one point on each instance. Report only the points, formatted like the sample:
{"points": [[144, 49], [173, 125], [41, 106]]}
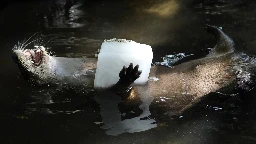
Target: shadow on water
{"points": [[35, 114]]}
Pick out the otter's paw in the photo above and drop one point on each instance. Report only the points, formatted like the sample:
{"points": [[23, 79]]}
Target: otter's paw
{"points": [[130, 74]]}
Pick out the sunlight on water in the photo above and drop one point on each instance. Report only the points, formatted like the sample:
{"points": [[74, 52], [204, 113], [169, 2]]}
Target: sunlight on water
{"points": [[164, 9]]}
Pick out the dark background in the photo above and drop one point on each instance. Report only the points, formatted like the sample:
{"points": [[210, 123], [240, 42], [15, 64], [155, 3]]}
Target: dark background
{"points": [[33, 114]]}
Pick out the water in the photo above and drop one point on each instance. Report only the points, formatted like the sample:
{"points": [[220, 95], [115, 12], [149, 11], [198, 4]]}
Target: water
{"points": [[32, 114]]}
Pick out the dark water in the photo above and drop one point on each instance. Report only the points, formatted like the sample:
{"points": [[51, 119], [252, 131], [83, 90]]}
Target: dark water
{"points": [[32, 114]]}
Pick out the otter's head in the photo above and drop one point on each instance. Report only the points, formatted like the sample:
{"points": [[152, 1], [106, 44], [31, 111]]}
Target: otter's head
{"points": [[33, 63]]}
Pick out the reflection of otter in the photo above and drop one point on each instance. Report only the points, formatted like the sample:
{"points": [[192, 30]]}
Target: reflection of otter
{"points": [[179, 87], [113, 116]]}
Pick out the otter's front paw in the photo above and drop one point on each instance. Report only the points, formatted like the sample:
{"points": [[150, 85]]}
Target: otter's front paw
{"points": [[130, 74]]}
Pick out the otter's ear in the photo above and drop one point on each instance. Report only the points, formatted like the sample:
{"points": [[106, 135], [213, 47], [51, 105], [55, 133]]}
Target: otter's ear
{"points": [[224, 43]]}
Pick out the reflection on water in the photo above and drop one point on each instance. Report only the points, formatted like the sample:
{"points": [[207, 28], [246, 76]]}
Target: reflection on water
{"points": [[111, 116], [165, 9], [116, 120], [61, 14], [36, 114]]}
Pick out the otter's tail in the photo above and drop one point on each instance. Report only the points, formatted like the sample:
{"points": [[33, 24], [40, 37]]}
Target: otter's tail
{"points": [[224, 43]]}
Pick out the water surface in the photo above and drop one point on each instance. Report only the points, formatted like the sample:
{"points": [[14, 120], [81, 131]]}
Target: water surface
{"points": [[33, 114]]}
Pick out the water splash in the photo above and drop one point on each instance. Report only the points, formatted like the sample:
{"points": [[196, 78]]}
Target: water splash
{"points": [[170, 60]]}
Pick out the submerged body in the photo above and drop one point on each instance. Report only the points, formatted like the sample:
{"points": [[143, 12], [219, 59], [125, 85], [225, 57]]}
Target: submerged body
{"points": [[181, 86]]}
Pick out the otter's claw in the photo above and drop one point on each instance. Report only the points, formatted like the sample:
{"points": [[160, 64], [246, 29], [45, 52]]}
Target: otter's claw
{"points": [[127, 77], [130, 74]]}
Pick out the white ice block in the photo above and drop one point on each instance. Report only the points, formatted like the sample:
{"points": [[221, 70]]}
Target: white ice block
{"points": [[114, 54]]}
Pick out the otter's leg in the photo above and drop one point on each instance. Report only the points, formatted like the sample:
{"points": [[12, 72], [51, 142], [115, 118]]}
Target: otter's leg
{"points": [[127, 77]]}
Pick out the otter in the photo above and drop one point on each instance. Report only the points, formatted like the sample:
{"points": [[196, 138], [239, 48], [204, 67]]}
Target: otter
{"points": [[181, 86]]}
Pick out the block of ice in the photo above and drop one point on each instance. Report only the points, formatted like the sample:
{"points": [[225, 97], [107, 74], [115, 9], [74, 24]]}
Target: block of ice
{"points": [[114, 54]]}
